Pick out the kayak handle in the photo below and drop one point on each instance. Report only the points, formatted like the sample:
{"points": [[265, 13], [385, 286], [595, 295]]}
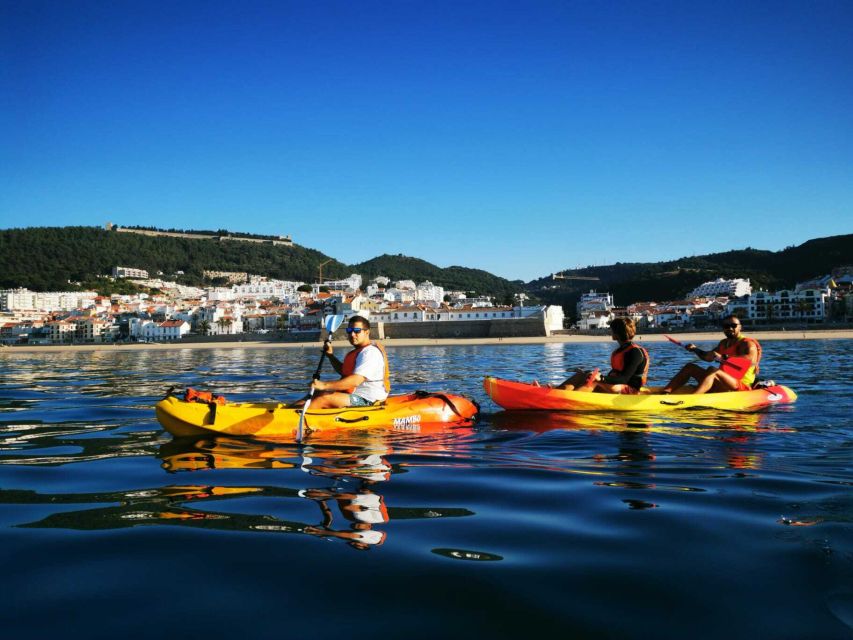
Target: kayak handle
{"points": [[339, 419], [672, 404]]}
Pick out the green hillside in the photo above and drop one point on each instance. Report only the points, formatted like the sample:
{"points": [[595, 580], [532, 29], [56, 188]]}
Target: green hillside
{"points": [[47, 258], [635, 282]]}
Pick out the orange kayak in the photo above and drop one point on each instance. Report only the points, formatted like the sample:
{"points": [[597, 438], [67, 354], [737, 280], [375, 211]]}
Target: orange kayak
{"points": [[515, 396], [410, 413]]}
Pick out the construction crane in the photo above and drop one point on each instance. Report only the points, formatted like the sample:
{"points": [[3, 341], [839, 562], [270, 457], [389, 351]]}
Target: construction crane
{"points": [[560, 276], [321, 269]]}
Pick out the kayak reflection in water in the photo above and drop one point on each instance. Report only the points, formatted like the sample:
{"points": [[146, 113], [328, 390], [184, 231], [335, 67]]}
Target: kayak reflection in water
{"points": [[629, 365]]}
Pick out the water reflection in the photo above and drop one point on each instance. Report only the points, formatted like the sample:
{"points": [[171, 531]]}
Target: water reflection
{"points": [[736, 438], [350, 506], [66, 443]]}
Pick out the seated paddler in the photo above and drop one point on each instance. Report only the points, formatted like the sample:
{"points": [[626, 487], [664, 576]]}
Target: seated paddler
{"points": [[731, 351], [364, 372], [629, 365]]}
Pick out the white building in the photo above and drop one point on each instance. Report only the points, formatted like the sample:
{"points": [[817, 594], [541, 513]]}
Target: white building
{"points": [[26, 300], [129, 272], [406, 284], [806, 305], [282, 289], [158, 331], [216, 294], [351, 284], [428, 293], [590, 320], [476, 301], [734, 288], [400, 314], [594, 301], [404, 296]]}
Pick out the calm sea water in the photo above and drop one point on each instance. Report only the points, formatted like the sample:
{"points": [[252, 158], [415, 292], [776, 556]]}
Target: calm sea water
{"points": [[693, 525]]}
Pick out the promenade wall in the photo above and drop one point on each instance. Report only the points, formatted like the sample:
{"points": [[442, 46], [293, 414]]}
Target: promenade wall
{"points": [[516, 328]]}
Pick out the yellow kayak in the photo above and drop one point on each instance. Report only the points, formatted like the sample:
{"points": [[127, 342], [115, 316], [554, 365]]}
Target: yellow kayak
{"points": [[522, 396], [414, 412]]}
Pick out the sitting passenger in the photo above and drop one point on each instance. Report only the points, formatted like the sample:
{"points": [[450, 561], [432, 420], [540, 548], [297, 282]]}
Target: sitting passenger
{"points": [[629, 365]]}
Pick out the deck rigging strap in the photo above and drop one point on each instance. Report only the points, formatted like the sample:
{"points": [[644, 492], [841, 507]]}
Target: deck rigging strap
{"points": [[447, 401]]}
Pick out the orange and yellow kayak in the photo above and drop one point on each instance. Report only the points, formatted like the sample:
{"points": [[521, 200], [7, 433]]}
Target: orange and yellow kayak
{"points": [[412, 413], [522, 396]]}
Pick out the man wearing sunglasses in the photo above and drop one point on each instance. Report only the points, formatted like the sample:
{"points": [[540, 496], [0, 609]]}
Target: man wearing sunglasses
{"points": [[714, 379], [364, 372]]}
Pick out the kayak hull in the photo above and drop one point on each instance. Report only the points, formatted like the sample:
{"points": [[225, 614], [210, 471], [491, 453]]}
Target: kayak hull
{"points": [[409, 413], [522, 396]]}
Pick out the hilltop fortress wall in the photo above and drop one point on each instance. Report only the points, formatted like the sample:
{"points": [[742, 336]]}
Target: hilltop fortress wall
{"points": [[284, 241]]}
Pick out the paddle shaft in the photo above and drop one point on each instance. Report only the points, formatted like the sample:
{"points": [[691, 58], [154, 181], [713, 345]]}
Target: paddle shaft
{"points": [[695, 350], [316, 376], [332, 323]]}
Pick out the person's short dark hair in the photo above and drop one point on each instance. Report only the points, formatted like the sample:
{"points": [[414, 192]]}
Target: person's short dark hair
{"points": [[730, 318], [364, 321], [623, 328]]}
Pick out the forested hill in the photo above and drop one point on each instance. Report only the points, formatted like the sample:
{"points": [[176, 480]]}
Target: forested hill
{"points": [[400, 267], [634, 282], [46, 258]]}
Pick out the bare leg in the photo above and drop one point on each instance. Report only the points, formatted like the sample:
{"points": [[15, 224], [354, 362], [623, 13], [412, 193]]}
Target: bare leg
{"points": [[717, 381], [681, 378], [589, 382], [575, 381], [330, 400]]}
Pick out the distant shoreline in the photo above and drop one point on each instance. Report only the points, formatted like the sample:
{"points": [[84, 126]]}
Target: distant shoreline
{"points": [[708, 336]]}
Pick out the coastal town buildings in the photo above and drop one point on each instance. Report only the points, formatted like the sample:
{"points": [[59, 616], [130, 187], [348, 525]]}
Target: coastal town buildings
{"points": [[169, 312]]}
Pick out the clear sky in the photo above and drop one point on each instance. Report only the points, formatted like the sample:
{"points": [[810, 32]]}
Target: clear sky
{"points": [[517, 137]]}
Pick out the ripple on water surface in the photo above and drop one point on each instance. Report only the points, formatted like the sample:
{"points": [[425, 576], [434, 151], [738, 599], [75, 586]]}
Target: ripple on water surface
{"points": [[595, 525]]}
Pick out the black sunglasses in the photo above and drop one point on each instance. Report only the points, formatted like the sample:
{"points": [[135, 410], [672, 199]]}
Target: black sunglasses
{"points": [[730, 325]]}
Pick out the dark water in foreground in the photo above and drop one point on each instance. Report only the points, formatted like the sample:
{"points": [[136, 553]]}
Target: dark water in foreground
{"points": [[696, 525]]}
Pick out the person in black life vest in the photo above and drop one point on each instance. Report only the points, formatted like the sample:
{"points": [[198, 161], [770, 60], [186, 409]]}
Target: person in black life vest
{"points": [[712, 378], [629, 365], [364, 372]]}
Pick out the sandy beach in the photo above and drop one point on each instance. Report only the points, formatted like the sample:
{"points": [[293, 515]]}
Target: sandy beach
{"points": [[819, 334]]}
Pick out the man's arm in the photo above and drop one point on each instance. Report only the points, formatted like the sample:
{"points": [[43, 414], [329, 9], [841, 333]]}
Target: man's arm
{"points": [[751, 351], [344, 384], [707, 356], [330, 353]]}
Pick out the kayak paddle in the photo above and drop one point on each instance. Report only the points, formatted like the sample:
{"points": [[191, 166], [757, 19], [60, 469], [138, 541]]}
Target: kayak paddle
{"points": [[332, 323]]}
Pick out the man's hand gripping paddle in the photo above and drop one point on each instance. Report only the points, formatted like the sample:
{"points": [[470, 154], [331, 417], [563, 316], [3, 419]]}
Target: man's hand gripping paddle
{"points": [[332, 323], [735, 366]]}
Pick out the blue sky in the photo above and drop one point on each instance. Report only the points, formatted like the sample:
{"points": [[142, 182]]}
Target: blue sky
{"points": [[517, 137]]}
